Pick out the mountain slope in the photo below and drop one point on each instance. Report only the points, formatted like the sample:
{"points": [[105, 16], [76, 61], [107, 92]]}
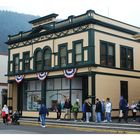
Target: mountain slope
{"points": [[12, 23]]}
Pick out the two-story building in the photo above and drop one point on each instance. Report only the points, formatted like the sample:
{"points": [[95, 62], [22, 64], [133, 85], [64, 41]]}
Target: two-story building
{"points": [[82, 56]]}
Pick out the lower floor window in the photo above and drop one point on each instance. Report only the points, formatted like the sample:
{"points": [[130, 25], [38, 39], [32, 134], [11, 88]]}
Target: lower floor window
{"points": [[52, 97], [33, 99]]}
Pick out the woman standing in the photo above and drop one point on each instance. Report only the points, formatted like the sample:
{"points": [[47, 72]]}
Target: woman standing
{"points": [[134, 110], [5, 112], [88, 109], [75, 109]]}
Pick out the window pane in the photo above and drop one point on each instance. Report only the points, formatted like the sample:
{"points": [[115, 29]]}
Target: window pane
{"points": [[33, 99], [32, 85], [63, 56], [47, 59], [65, 83], [103, 55], [78, 57], [38, 56], [38, 85], [49, 84], [78, 52], [77, 83], [57, 83]]}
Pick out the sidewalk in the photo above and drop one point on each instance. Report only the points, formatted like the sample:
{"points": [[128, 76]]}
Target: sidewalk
{"points": [[114, 125], [130, 126]]}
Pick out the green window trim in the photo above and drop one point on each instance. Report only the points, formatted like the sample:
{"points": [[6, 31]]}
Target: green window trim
{"points": [[107, 53], [26, 61], [38, 64], [80, 54], [16, 66], [126, 57], [47, 58], [62, 57]]}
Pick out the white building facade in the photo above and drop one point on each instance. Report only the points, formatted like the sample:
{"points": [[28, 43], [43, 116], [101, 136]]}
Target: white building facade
{"points": [[3, 79]]}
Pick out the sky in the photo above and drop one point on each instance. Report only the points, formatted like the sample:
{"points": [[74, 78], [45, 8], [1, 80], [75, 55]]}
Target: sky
{"points": [[127, 11]]}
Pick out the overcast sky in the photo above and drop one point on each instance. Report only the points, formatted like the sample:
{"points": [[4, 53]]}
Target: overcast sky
{"points": [[124, 10]]}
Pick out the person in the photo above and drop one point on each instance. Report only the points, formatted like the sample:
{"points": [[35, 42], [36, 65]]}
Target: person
{"points": [[87, 109], [108, 108], [133, 107], [5, 112], [42, 112], [138, 108], [98, 110], [67, 107], [58, 110], [103, 110], [124, 107], [83, 112], [15, 117], [75, 109]]}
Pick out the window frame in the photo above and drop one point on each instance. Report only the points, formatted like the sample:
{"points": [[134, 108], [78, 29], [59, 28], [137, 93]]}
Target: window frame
{"points": [[18, 65], [66, 56], [24, 63], [74, 51], [126, 48], [107, 45], [47, 48], [36, 62]]}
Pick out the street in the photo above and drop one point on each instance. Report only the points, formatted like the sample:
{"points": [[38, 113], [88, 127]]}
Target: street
{"points": [[53, 129], [50, 129]]}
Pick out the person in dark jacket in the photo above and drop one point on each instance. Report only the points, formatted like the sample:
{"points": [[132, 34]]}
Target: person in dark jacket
{"points": [[88, 109], [98, 110], [67, 107], [58, 110], [124, 108], [84, 112], [43, 112]]}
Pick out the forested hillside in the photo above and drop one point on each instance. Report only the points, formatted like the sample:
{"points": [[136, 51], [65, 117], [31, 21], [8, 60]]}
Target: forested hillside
{"points": [[12, 23]]}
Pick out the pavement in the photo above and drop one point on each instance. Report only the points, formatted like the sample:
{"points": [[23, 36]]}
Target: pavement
{"points": [[114, 127]]}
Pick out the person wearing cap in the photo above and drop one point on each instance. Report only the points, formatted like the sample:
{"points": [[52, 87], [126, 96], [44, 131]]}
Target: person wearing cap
{"points": [[75, 109]]}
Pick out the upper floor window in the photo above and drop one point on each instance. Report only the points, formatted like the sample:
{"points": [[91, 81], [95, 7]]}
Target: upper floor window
{"points": [[78, 51], [47, 58], [26, 61], [126, 58], [16, 63], [63, 55], [107, 53], [38, 60]]}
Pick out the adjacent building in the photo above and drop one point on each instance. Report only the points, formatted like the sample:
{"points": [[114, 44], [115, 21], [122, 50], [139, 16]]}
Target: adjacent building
{"points": [[82, 56], [3, 79]]}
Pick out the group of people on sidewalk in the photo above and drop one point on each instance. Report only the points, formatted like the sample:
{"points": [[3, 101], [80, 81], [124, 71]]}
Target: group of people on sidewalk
{"points": [[102, 110]]}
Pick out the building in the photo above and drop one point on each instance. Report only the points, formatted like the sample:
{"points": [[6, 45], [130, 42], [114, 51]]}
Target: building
{"points": [[3, 79], [82, 56]]}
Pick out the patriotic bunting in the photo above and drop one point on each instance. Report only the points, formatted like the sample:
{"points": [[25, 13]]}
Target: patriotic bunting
{"points": [[19, 78], [69, 73], [42, 75]]}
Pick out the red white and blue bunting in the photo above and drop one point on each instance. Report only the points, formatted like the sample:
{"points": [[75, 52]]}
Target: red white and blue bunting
{"points": [[19, 78], [42, 75], [69, 73]]}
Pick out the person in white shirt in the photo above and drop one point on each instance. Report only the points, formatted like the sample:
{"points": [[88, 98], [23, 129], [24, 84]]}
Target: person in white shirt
{"points": [[6, 110], [134, 110], [108, 108]]}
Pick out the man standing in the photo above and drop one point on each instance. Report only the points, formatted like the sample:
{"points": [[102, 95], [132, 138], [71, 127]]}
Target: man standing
{"points": [[108, 109], [42, 112], [98, 110], [123, 105]]}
